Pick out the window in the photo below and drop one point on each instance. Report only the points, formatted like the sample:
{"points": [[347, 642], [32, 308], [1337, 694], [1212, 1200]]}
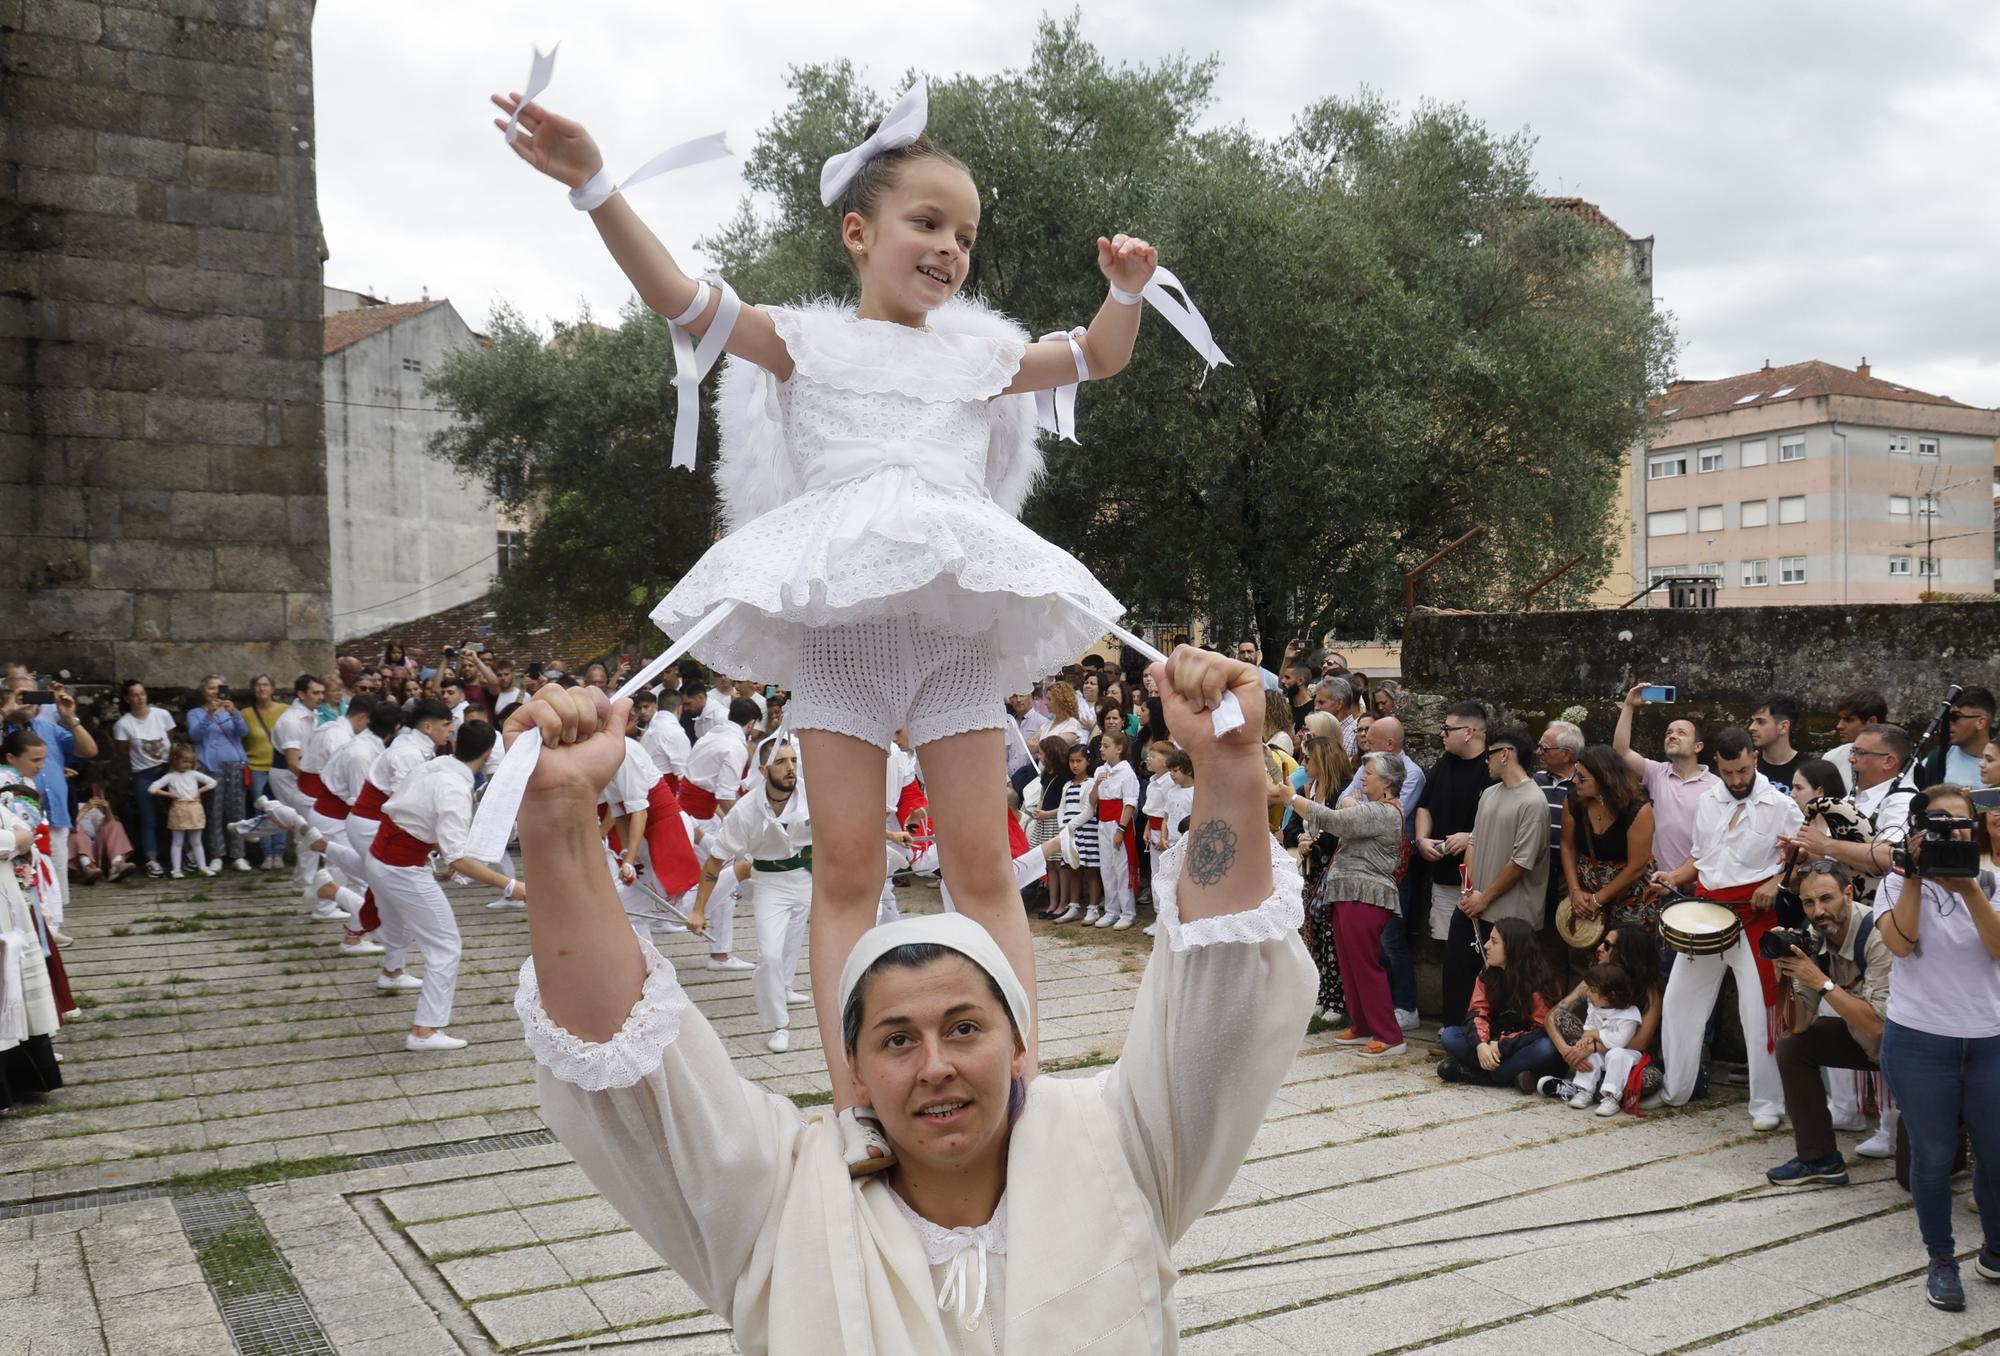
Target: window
{"points": [[1792, 449], [1756, 573], [1791, 569], [509, 549], [1754, 453], [1711, 459], [1670, 523], [1899, 565], [413, 364], [1745, 400], [1792, 509], [1667, 467], [1927, 447], [1713, 569], [1756, 513], [1929, 567], [1783, 391], [1900, 443], [1708, 518], [1655, 573], [1899, 506]]}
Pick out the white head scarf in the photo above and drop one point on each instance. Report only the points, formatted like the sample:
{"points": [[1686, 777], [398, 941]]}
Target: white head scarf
{"points": [[951, 930]]}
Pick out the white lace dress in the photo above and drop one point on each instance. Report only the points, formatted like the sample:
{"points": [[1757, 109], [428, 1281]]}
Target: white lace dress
{"points": [[883, 441], [747, 1197]]}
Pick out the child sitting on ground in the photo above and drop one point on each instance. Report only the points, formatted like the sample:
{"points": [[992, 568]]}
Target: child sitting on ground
{"points": [[1608, 1028]]}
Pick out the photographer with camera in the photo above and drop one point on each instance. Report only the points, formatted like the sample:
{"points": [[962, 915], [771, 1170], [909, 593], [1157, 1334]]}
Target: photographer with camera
{"points": [[1838, 965], [216, 729], [1879, 758], [1941, 1036]]}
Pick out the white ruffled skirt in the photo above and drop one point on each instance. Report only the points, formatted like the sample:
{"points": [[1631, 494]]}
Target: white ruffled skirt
{"points": [[889, 544]]}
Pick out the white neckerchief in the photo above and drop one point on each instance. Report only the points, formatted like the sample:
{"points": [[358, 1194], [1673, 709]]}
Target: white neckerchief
{"points": [[963, 1252]]}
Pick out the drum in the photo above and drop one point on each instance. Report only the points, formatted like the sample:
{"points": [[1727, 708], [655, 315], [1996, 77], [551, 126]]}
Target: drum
{"points": [[1698, 927]]}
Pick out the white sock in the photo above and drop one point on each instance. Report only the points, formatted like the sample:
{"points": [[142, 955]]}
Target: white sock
{"points": [[348, 900]]}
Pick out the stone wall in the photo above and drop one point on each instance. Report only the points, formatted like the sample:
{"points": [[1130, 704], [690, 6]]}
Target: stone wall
{"points": [[161, 457], [1723, 660]]}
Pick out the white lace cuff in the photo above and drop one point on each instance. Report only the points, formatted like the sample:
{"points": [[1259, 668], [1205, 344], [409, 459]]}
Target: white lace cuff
{"points": [[1281, 913], [627, 1057]]}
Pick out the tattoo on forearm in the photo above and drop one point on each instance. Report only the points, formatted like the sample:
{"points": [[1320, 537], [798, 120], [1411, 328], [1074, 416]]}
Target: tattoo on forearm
{"points": [[1211, 852]]}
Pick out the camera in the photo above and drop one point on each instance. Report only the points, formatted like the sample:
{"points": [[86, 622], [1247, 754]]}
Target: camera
{"points": [[1777, 944], [1943, 854]]}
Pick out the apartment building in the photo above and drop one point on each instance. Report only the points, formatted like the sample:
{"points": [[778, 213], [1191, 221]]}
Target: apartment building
{"points": [[1812, 483]]}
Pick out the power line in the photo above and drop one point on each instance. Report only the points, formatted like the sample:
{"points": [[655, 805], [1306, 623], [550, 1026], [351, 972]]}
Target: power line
{"points": [[490, 555]]}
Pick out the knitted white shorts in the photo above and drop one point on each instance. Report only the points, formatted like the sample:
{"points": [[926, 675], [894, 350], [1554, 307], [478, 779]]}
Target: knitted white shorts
{"points": [[869, 678]]}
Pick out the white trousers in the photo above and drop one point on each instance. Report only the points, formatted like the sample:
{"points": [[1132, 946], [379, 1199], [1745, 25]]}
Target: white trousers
{"points": [[55, 899], [1119, 899], [781, 905], [284, 786], [1444, 903], [411, 895], [1684, 1011], [722, 902], [338, 860], [361, 832], [1611, 1070]]}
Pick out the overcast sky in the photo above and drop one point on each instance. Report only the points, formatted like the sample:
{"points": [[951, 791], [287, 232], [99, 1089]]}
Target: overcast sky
{"points": [[1820, 178]]}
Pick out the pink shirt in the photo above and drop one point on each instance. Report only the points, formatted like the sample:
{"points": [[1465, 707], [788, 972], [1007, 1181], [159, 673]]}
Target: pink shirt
{"points": [[1674, 799]]}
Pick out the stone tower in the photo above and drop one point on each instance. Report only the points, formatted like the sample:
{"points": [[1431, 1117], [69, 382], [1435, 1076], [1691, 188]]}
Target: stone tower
{"points": [[162, 468]]}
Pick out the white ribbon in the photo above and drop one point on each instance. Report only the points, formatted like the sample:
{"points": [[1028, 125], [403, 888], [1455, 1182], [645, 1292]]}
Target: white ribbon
{"points": [[959, 1279], [714, 146], [540, 71], [1228, 713], [1180, 312], [1056, 410], [693, 361], [500, 804], [903, 125]]}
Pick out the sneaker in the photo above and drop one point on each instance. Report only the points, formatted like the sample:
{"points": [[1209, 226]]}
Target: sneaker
{"points": [[174, 874], [437, 1040], [240, 864], [119, 870], [1942, 1287], [1831, 1170], [730, 963], [1090, 917], [779, 1042], [61, 938], [327, 911], [1408, 1019], [1765, 1123], [1608, 1106], [1070, 915], [1526, 1080], [211, 868], [403, 983], [154, 870], [362, 946], [1582, 1100], [1106, 920], [1351, 1037], [1987, 1264], [1148, 929], [1377, 1050], [795, 999], [1122, 924], [1559, 1088], [1881, 1144], [1451, 1071], [1853, 1125], [504, 903], [91, 875]]}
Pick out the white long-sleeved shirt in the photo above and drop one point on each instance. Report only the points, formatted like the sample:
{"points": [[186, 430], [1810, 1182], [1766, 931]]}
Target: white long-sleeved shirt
{"points": [[1736, 841], [435, 806], [408, 751], [294, 727], [186, 785], [346, 772], [322, 744], [717, 761], [634, 780], [751, 829], [668, 745]]}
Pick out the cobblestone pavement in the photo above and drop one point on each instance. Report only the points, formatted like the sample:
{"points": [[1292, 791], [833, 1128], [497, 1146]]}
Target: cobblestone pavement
{"points": [[246, 1159]]}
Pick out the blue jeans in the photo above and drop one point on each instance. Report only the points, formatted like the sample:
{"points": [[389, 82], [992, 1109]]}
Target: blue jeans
{"points": [[149, 811], [1537, 1056], [1940, 1081], [273, 844], [1396, 957]]}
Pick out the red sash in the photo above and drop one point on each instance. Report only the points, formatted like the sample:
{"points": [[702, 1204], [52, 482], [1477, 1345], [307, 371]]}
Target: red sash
{"points": [[1109, 812], [1017, 841], [370, 802], [311, 785], [674, 861], [698, 801], [395, 846], [1755, 924], [328, 804], [910, 800]]}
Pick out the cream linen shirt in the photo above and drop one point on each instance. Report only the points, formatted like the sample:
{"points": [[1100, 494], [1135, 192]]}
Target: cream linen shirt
{"points": [[748, 1199], [1732, 850]]}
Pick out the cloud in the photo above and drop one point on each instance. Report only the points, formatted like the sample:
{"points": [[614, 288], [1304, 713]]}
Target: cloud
{"points": [[1817, 176]]}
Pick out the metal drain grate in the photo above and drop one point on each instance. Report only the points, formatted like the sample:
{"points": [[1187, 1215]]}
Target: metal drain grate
{"points": [[83, 1200], [260, 1299], [458, 1148]]}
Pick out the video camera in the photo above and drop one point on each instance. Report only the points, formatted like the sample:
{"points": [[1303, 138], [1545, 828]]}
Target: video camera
{"points": [[1943, 855]]}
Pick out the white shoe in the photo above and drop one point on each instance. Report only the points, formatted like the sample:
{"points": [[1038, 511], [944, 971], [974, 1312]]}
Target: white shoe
{"points": [[175, 874], [730, 963], [780, 1041], [437, 1040], [211, 868], [404, 983], [1070, 915], [504, 903], [795, 999], [1607, 1106], [244, 828], [1582, 1100], [241, 864], [363, 946], [1881, 1144], [1090, 917], [1149, 928], [1122, 924], [281, 812], [1765, 1123], [326, 911], [1408, 1019], [1854, 1124], [1106, 921]]}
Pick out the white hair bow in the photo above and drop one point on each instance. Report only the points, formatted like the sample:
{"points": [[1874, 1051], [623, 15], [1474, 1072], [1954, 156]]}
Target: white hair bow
{"points": [[903, 125]]}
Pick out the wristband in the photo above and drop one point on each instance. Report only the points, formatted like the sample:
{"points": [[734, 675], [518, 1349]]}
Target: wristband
{"points": [[509, 891], [1124, 298], [595, 192]]}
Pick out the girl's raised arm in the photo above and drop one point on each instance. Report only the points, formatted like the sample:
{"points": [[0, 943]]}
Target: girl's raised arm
{"points": [[560, 148], [1127, 263]]}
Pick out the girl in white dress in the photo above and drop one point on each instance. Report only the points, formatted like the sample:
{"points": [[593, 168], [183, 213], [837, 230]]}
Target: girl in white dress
{"points": [[873, 462]]}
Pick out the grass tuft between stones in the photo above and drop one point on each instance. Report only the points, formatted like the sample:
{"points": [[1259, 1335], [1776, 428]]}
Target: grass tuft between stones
{"points": [[219, 1180]]}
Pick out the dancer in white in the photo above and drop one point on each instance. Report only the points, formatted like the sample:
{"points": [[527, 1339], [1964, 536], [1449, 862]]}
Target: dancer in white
{"points": [[874, 460], [431, 815], [772, 829], [716, 768], [287, 785], [1117, 796], [342, 779]]}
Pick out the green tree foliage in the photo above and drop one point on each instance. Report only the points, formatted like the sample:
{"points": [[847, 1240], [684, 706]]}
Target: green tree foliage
{"points": [[1420, 343]]}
